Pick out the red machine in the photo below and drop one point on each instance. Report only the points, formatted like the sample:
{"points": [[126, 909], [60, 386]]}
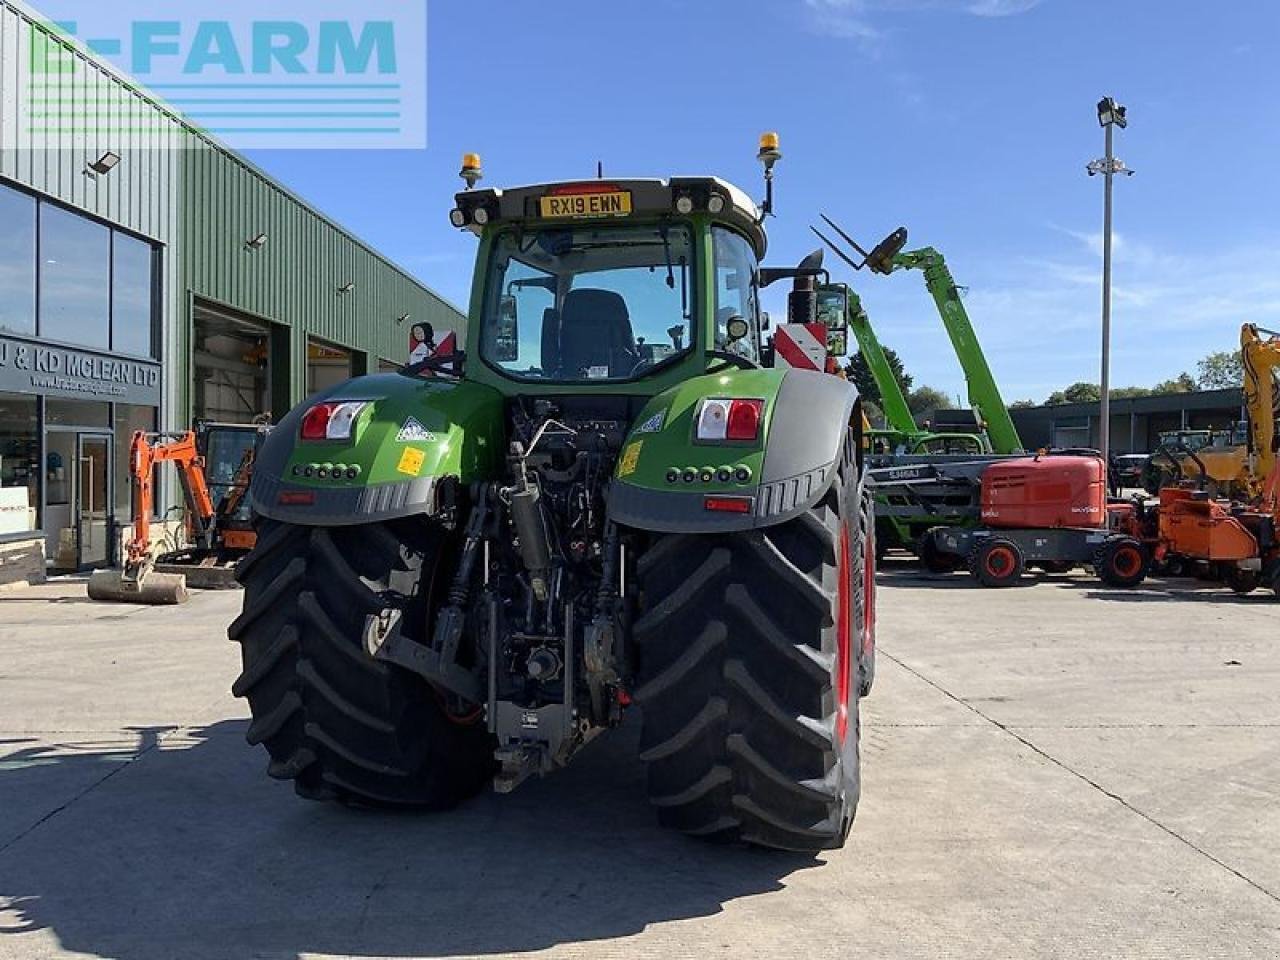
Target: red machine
{"points": [[1045, 492], [1049, 512]]}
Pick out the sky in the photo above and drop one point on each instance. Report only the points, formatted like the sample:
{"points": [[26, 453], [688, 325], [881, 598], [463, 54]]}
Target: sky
{"points": [[970, 122]]}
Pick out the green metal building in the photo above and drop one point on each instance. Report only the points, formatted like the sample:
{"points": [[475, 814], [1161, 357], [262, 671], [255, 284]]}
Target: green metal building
{"points": [[150, 277]]}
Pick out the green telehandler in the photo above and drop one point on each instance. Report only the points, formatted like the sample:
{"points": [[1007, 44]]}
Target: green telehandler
{"points": [[467, 570], [930, 478], [902, 436]]}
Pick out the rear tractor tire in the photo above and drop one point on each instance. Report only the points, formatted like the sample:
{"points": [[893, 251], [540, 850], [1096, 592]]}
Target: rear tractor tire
{"points": [[996, 562], [754, 648], [338, 723]]}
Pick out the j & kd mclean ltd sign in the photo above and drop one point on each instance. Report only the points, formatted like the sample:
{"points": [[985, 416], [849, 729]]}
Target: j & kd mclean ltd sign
{"points": [[31, 367]]}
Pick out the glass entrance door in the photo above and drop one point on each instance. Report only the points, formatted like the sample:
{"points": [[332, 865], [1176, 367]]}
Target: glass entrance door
{"points": [[93, 499]]}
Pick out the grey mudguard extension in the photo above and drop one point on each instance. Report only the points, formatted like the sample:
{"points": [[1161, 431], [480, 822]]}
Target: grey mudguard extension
{"points": [[807, 432], [338, 507], [330, 507]]}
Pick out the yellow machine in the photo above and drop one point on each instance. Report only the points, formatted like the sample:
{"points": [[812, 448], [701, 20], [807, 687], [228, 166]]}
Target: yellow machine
{"points": [[1261, 359], [1236, 463]]}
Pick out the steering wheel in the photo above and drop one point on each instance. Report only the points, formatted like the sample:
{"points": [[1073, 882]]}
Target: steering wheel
{"points": [[731, 360]]}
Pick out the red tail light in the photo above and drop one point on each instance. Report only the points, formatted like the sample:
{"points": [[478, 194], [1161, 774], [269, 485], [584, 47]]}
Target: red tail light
{"points": [[744, 420], [727, 504], [316, 421]]}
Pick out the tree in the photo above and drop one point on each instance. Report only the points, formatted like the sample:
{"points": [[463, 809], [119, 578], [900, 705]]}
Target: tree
{"points": [[1182, 383], [1220, 371], [860, 375], [1128, 393], [927, 398], [875, 416], [1079, 392], [1023, 404]]}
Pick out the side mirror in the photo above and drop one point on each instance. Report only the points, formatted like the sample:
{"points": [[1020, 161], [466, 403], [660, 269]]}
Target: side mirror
{"points": [[833, 313], [506, 338], [765, 322]]}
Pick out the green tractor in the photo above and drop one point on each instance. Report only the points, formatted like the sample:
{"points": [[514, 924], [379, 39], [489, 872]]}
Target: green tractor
{"points": [[468, 569]]}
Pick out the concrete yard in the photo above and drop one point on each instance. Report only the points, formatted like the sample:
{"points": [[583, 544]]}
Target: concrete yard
{"points": [[1057, 770]]}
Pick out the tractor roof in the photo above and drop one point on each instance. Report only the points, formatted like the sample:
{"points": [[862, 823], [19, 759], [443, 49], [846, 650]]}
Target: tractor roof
{"points": [[610, 200]]}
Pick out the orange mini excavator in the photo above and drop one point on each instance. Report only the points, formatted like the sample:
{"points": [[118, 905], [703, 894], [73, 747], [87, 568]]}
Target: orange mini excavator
{"points": [[215, 464]]}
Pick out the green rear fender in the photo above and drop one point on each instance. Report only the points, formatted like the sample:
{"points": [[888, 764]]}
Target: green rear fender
{"points": [[668, 481], [411, 435]]}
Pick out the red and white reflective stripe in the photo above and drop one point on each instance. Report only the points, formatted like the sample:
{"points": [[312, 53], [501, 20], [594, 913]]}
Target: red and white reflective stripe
{"points": [[801, 345]]}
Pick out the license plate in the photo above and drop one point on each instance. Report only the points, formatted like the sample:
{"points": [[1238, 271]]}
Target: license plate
{"points": [[616, 203]]}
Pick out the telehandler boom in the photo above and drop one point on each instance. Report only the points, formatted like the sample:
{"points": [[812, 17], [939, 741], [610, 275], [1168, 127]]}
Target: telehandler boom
{"points": [[984, 395]]}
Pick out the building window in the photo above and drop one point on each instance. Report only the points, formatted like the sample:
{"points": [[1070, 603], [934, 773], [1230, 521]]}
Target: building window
{"points": [[75, 279], [132, 266], [77, 413], [19, 465], [17, 262]]}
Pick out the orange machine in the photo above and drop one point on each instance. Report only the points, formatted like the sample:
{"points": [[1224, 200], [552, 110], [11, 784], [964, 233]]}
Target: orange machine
{"points": [[214, 463], [145, 451], [1236, 540]]}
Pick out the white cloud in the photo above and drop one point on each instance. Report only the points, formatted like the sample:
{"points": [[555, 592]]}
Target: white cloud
{"points": [[1041, 331], [1038, 317], [1000, 8], [857, 19]]}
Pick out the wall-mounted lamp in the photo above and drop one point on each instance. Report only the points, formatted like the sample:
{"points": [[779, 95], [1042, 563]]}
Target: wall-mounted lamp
{"points": [[346, 288], [103, 165], [402, 318], [256, 243]]}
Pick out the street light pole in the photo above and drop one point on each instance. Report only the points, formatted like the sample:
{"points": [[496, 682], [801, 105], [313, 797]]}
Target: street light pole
{"points": [[1104, 426], [1110, 114]]}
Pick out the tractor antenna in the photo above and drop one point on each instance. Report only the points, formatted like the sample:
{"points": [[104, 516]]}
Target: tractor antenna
{"points": [[599, 169]]}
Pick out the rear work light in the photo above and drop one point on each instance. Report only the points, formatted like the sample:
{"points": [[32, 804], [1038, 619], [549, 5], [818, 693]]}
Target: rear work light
{"points": [[332, 421], [723, 419]]}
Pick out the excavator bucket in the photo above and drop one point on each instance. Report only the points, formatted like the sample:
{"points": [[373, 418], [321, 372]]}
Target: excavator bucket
{"points": [[153, 588]]}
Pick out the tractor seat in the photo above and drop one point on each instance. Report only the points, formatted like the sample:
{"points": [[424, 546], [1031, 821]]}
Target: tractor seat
{"points": [[595, 332]]}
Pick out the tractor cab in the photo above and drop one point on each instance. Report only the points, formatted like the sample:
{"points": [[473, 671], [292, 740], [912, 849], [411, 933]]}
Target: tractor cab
{"points": [[612, 283]]}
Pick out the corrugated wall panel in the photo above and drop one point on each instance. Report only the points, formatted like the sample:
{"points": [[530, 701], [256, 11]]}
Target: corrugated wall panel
{"points": [[295, 278]]}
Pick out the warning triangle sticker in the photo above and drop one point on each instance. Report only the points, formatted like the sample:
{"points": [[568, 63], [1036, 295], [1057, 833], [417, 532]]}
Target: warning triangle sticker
{"points": [[414, 431]]}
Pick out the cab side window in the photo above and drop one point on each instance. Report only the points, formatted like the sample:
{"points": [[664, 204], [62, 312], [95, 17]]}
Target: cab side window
{"points": [[736, 292]]}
